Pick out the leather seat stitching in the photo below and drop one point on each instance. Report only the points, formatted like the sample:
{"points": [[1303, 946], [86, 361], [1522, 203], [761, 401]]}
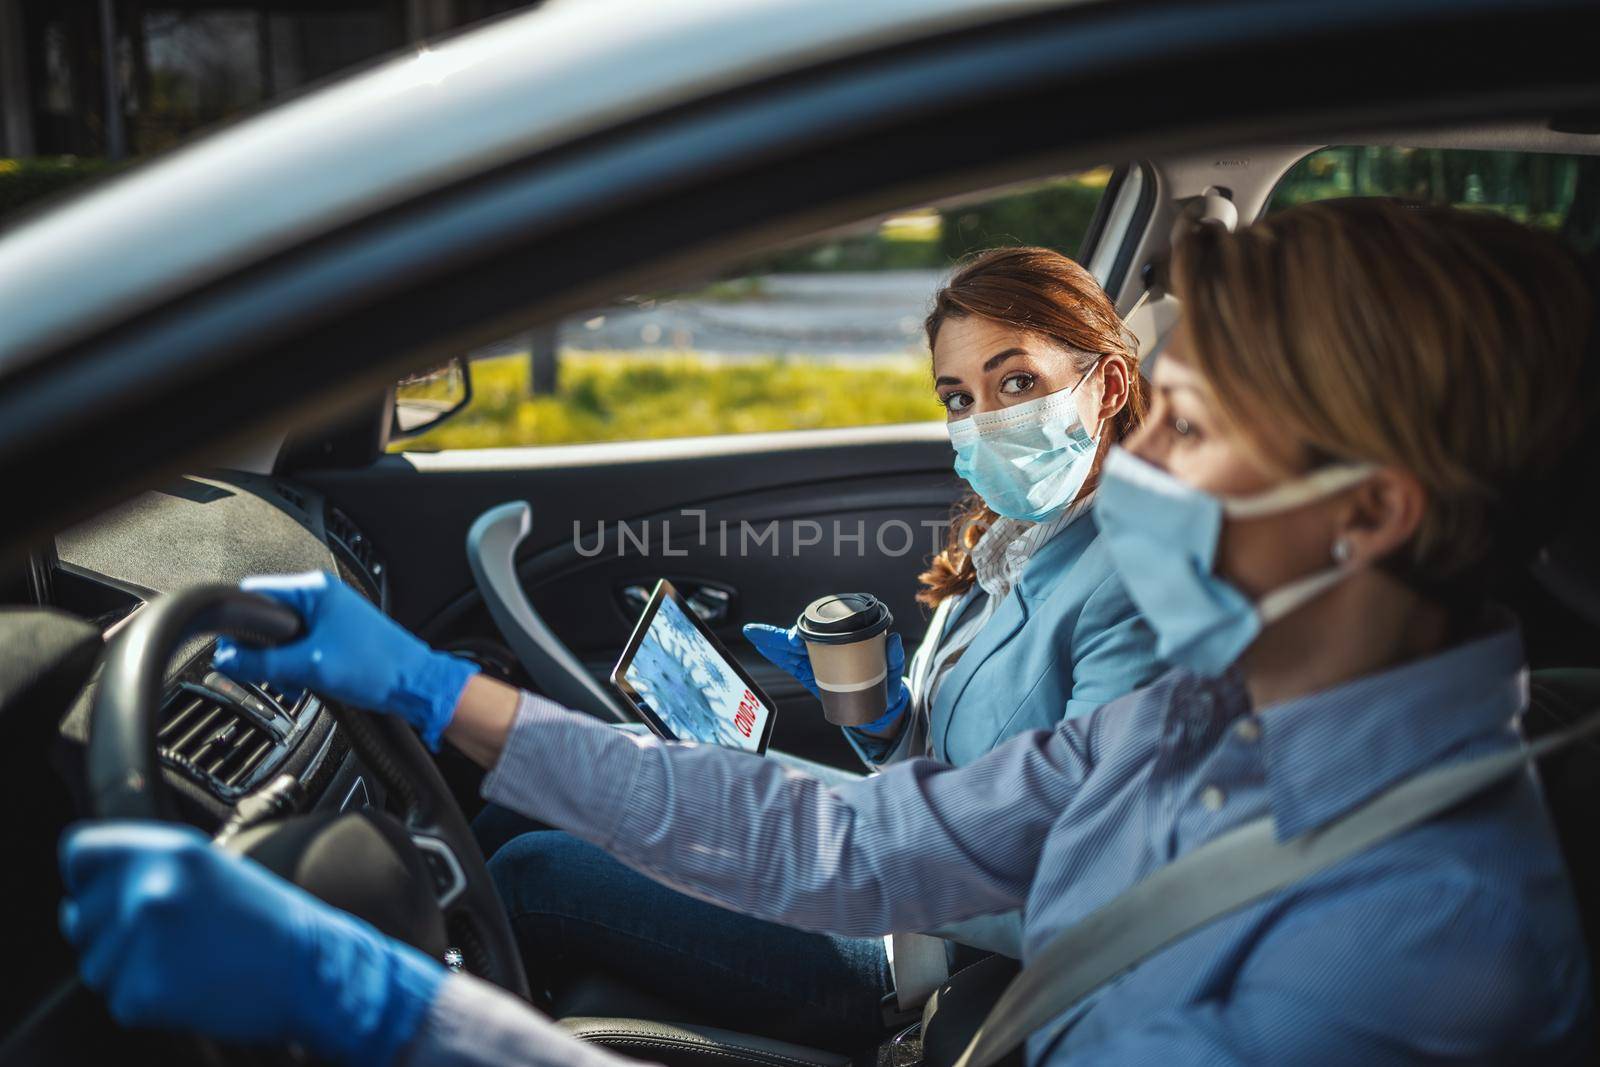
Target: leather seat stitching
{"points": [[675, 1042], [669, 1046]]}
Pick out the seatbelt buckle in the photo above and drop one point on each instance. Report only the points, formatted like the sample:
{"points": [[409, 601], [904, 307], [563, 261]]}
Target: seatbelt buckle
{"points": [[893, 1016], [904, 1049]]}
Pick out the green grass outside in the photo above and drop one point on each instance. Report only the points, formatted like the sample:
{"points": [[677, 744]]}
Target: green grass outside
{"points": [[622, 396]]}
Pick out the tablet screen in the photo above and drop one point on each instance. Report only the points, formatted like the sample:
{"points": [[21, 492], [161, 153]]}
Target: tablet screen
{"points": [[688, 684]]}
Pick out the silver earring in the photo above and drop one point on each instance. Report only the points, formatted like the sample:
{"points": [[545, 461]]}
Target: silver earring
{"points": [[1341, 551]]}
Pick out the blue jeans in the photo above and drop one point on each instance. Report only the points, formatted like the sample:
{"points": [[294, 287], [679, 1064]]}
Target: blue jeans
{"points": [[573, 907]]}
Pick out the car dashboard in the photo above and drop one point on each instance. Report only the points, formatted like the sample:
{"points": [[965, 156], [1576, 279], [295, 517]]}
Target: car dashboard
{"points": [[218, 738]]}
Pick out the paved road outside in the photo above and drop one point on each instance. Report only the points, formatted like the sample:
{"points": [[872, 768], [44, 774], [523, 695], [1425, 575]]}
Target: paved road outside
{"points": [[829, 315]]}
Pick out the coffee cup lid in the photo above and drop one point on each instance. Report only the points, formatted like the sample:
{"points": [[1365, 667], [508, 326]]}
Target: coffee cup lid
{"points": [[841, 618]]}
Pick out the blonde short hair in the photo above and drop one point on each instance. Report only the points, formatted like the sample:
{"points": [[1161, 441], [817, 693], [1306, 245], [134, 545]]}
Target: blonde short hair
{"points": [[1446, 343]]}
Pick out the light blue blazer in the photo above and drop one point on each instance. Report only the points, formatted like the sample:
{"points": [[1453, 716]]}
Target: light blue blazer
{"points": [[1064, 641]]}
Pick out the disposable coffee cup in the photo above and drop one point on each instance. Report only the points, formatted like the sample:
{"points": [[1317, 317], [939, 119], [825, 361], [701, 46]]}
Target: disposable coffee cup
{"points": [[844, 634]]}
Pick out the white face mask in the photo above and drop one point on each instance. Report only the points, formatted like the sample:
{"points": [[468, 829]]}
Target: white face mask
{"points": [[1028, 461]]}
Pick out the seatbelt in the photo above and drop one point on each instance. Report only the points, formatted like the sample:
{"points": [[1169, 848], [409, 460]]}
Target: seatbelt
{"points": [[1221, 876], [918, 964]]}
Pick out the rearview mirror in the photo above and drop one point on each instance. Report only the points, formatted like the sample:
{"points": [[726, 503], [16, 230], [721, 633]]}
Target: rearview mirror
{"points": [[423, 401]]}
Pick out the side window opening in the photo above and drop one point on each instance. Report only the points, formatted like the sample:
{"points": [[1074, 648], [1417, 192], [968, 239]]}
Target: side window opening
{"points": [[818, 334]]}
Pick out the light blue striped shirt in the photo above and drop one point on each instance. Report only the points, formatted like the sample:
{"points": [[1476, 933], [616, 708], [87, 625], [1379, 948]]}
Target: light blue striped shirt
{"points": [[1457, 941]]}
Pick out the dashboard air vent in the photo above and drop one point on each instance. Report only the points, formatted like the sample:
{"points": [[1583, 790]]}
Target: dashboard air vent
{"points": [[354, 552], [212, 739], [293, 497]]}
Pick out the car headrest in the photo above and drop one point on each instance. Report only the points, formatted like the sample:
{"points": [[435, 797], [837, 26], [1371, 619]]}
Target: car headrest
{"points": [[1213, 207]]}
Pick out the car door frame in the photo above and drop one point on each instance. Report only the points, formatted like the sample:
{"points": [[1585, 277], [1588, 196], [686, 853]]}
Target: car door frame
{"points": [[296, 336]]}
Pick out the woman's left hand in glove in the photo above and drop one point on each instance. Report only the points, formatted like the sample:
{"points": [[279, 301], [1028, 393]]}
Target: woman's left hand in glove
{"points": [[174, 932]]}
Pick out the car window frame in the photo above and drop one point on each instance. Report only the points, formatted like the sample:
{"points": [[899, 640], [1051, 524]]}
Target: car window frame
{"points": [[342, 311]]}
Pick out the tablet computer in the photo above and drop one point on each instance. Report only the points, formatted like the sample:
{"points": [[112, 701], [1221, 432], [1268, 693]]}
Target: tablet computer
{"points": [[684, 683]]}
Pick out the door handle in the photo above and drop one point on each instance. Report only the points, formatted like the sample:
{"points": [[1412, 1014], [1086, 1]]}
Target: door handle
{"points": [[711, 604]]}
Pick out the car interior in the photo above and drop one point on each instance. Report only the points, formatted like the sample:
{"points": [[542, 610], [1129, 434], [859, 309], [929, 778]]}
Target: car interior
{"points": [[340, 491]]}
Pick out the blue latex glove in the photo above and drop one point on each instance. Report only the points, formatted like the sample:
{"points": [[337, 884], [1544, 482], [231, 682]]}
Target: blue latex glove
{"points": [[176, 933], [352, 653], [786, 649]]}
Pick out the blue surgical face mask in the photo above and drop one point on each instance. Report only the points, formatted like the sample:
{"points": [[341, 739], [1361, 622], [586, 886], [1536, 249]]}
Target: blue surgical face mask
{"points": [[1028, 461], [1163, 534]]}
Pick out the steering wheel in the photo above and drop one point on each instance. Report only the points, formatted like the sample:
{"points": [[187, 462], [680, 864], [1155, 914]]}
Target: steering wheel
{"points": [[429, 851]]}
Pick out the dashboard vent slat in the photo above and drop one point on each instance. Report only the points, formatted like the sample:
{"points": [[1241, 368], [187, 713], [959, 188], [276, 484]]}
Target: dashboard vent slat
{"points": [[355, 553], [211, 739], [183, 712], [184, 745], [249, 763]]}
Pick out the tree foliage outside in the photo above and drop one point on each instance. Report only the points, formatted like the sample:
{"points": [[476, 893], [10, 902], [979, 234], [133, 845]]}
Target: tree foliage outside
{"points": [[1055, 215], [35, 181], [1560, 193]]}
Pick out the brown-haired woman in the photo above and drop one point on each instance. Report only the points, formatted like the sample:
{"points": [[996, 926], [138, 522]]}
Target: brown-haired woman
{"points": [[1038, 377], [1030, 626]]}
